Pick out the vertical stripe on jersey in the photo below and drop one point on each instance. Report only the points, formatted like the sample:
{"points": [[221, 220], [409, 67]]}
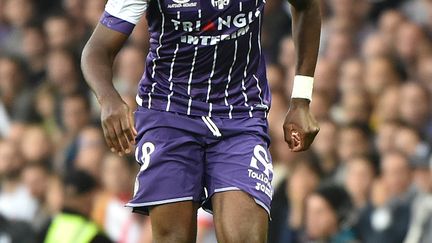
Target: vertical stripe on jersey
{"points": [[240, 6], [189, 106], [170, 78], [191, 71], [230, 77], [160, 39], [212, 73], [245, 73], [259, 34], [259, 95], [190, 80], [210, 109], [149, 94]]}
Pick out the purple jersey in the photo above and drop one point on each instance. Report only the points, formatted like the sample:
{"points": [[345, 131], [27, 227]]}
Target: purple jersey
{"points": [[205, 57]]}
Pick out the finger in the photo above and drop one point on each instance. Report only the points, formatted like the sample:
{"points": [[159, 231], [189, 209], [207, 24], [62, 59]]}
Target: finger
{"points": [[127, 133], [297, 145], [121, 138], [288, 137], [108, 139], [111, 137], [300, 137], [132, 125]]}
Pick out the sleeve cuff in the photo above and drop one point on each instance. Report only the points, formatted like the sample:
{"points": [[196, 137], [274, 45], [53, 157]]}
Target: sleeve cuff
{"points": [[116, 24]]}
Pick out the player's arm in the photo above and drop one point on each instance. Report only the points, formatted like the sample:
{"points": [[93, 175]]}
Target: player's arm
{"points": [[97, 61], [300, 127]]}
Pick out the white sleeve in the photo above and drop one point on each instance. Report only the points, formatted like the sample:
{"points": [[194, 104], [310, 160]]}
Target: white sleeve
{"points": [[128, 10]]}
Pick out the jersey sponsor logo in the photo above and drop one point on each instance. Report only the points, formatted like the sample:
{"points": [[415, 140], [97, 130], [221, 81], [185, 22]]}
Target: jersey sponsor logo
{"points": [[240, 23], [212, 39], [261, 170], [182, 4], [220, 4]]}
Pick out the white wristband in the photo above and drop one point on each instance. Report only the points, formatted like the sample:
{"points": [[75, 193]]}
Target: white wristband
{"points": [[302, 87]]}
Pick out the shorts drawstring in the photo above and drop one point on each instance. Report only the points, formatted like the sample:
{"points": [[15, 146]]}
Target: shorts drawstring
{"points": [[211, 126]]}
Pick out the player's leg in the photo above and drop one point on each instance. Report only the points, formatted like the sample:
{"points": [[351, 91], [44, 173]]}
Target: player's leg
{"points": [[238, 177], [174, 222], [169, 184], [238, 218]]}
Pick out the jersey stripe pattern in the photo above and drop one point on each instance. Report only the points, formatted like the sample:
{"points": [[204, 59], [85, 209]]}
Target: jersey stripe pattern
{"points": [[205, 56]]}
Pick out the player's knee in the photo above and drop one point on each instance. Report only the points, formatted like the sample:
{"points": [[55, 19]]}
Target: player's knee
{"points": [[245, 236], [162, 234]]}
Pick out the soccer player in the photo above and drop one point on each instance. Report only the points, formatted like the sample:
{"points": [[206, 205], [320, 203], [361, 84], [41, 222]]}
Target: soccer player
{"points": [[200, 128]]}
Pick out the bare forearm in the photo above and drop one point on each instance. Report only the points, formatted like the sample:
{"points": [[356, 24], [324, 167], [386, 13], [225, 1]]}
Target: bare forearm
{"points": [[306, 33], [96, 64], [97, 61]]}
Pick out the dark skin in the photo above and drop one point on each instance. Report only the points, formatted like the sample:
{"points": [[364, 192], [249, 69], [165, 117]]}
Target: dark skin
{"points": [[230, 208], [97, 61], [300, 127]]}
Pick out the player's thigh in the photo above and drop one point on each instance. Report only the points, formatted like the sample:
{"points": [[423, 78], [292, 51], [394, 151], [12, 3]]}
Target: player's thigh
{"points": [[238, 174], [240, 163], [171, 161], [174, 222], [238, 218]]}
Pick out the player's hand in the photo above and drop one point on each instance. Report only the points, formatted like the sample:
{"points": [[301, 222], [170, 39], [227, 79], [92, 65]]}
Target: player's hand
{"points": [[118, 126], [300, 127]]}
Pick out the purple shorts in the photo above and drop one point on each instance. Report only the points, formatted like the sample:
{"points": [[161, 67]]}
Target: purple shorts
{"points": [[189, 158]]}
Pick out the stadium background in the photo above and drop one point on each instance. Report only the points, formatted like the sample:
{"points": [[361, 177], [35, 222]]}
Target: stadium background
{"points": [[372, 97]]}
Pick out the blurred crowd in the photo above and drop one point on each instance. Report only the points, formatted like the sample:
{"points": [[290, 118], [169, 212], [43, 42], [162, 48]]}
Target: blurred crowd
{"points": [[367, 177]]}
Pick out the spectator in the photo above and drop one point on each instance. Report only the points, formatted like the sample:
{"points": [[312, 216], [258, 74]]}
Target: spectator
{"points": [[327, 152], [328, 215], [34, 50], [360, 174], [74, 218], [424, 72], [75, 116], [387, 218], [288, 204], [91, 151], [109, 211], [59, 30], [62, 72], [351, 75], [17, 13], [421, 222], [409, 141], [16, 202], [386, 107], [386, 136], [36, 154], [415, 108], [16, 97], [353, 140], [380, 73], [355, 106], [36, 178]]}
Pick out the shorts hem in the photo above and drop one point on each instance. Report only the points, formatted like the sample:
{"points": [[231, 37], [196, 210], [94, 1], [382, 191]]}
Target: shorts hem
{"points": [[260, 203], [225, 189], [143, 208]]}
